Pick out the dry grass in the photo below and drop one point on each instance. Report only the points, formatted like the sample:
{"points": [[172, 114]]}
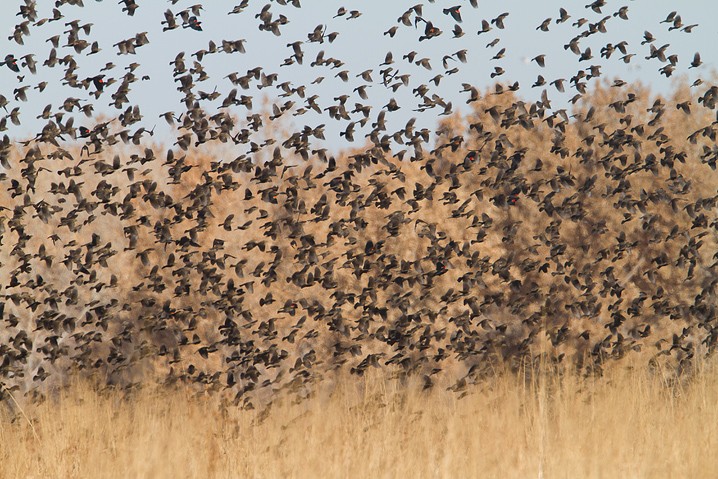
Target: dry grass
{"points": [[626, 424]]}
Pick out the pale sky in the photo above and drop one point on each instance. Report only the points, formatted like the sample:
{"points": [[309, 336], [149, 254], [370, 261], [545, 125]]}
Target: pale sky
{"points": [[361, 45]]}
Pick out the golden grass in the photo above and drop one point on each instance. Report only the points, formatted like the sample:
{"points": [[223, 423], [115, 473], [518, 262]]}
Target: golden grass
{"points": [[630, 423]]}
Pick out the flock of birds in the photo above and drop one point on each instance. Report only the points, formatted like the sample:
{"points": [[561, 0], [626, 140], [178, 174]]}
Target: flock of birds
{"points": [[521, 231]]}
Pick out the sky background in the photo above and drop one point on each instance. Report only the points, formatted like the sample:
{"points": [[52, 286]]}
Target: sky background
{"points": [[361, 45]]}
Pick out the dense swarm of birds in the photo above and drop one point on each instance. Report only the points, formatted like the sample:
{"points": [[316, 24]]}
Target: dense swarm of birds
{"points": [[519, 231]]}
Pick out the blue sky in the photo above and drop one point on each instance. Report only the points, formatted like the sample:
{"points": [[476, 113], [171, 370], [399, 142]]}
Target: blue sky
{"points": [[361, 45]]}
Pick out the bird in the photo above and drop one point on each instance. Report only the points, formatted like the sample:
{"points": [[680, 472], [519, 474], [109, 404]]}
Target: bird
{"points": [[99, 82], [11, 62], [455, 12], [696, 62], [540, 60], [194, 23], [430, 31]]}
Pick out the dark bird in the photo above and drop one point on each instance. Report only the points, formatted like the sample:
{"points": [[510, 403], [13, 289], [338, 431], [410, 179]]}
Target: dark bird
{"points": [[540, 60], [170, 21], [499, 21], [562, 15], [11, 62], [194, 23], [471, 156], [696, 61], [485, 27], [430, 31], [544, 25], [99, 82], [455, 12], [513, 197]]}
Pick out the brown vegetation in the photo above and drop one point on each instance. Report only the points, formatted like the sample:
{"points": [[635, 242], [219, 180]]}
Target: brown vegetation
{"points": [[256, 275], [633, 425]]}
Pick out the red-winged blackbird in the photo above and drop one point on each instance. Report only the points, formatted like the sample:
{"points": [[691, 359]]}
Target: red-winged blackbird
{"points": [[513, 197], [289, 307], [507, 200], [455, 12], [430, 31], [11, 63], [84, 132], [471, 156], [99, 82], [440, 268], [194, 23]]}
